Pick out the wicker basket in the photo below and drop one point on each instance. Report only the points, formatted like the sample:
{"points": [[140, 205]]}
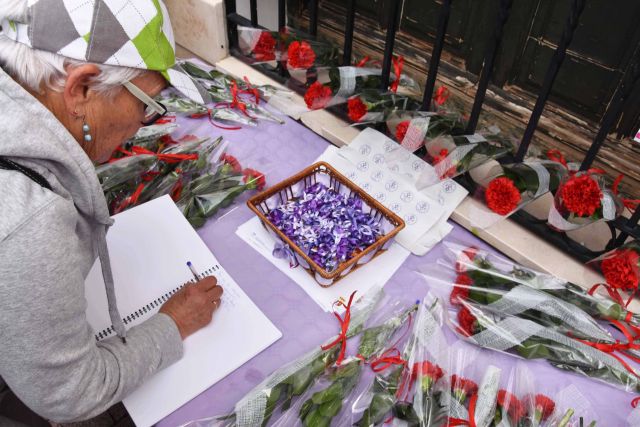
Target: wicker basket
{"points": [[292, 187]]}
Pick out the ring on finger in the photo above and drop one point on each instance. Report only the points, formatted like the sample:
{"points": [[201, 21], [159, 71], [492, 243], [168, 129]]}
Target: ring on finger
{"points": [[216, 303]]}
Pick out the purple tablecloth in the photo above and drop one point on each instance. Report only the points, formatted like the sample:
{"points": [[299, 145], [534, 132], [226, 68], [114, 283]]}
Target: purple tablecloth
{"points": [[279, 151]]}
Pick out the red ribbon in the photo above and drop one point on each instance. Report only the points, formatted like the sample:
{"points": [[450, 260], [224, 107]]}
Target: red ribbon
{"points": [[557, 156], [363, 61], [441, 96], [131, 200], [630, 204], [614, 293], [398, 63], [452, 422], [635, 402], [250, 90], [387, 359], [344, 327], [167, 158]]}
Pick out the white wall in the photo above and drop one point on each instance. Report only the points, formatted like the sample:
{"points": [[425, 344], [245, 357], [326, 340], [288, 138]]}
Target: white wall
{"points": [[267, 12]]}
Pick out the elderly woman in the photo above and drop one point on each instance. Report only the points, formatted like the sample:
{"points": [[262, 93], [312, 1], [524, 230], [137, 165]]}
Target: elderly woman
{"points": [[77, 80]]}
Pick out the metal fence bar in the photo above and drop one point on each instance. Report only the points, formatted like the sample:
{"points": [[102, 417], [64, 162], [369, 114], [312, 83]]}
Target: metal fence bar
{"points": [[487, 68], [392, 26], [443, 22], [232, 29], [577, 6], [348, 32], [613, 112], [282, 14], [253, 6], [313, 17]]}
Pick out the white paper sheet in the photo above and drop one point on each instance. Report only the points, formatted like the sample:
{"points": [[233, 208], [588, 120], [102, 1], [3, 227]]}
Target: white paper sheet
{"points": [[373, 161], [372, 275], [149, 246]]}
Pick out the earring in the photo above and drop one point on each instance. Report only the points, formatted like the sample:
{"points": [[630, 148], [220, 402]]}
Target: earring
{"points": [[86, 129]]}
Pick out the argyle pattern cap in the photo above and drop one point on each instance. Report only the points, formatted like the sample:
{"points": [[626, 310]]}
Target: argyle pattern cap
{"points": [[126, 33]]}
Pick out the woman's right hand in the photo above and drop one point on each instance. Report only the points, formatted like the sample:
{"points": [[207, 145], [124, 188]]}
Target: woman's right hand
{"points": [[192, 306]]}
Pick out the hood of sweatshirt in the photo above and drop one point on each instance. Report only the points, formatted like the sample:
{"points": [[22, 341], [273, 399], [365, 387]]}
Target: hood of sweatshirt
{"points": [[61, 160]]}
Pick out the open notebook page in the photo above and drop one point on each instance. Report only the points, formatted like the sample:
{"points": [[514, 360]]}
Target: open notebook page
{"points": [[149, 246]]}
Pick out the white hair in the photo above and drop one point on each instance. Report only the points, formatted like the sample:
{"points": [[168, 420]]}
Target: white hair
{"points": [[34, 68]]}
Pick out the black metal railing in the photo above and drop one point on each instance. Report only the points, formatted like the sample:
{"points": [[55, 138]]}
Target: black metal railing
{"points": [[621, 228]]}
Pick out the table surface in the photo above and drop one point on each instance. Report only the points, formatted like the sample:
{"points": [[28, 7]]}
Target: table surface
{"points": [[279, 151]]}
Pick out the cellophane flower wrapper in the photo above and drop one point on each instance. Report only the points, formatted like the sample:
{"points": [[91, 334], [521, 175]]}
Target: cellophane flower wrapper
{"points": [[530, 340], [406, 391], [335, 85], [507, 188], [620, 268], [120, 177], [411, 130], [468, 258], [329, 398], [454, 155], [235, 101], [373, 106], [283, 387], [582, 198], [516, 402], [572, 409], [288, 46], [482, 284]]}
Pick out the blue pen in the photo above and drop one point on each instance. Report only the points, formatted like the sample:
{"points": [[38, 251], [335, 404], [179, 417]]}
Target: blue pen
{"points": [[193, 270]]}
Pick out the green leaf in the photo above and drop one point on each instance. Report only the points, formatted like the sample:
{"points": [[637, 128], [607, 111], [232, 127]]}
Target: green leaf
{"points": [[330, 409], [316, 419], [301, 380], [334, 391]]}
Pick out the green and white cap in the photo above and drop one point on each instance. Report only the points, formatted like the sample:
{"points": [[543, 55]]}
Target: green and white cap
{"points": [[126, 33]]}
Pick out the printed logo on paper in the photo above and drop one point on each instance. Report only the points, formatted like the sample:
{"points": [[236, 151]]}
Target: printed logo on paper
{"points": [[449, 186], [422, 207], [389, 146], [365, 150], [396, 207], [417, 165], [352, 175], [406, 196], [378, 159], [363, 166], [395, 168], [377, 176], [366, 186], [392, 185], [380, 196], [410, 219]]}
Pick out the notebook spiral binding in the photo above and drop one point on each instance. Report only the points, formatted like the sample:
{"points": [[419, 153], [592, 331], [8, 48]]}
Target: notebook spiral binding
{"points": [[105, 333]]}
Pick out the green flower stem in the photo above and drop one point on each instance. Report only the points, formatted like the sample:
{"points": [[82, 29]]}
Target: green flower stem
{"points": [[567, 417]]}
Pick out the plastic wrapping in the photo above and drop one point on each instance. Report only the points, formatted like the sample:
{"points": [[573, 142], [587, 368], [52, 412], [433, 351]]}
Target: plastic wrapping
{"points": [[323, 402], [405, 391], [373, 106], [505, 189], [530, 340], [621, 270], [470, 259], [582, 199], [408, 127]]}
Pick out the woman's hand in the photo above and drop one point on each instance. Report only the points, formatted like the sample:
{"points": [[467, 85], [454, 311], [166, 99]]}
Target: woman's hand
{"points": [[192, 306]]}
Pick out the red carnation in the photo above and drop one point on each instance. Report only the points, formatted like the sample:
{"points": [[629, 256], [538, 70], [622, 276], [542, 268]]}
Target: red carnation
{"points": [[502, 196], [265, 49], [467, 256], [429, 373], [401, 130], [467, 322], [300, 55], [544, 407], [581, 195], [231, 161], [621, 269], [458, 294], [357, 109], [462, 387], [512, 405], [254, 179], [317, 96]]}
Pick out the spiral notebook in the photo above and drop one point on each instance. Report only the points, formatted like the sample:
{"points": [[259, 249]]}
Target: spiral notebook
{"points": [[149, 246]]}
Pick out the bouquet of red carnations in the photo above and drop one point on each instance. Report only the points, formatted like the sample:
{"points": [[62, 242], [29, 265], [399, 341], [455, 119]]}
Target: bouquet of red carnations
{"points": [[621, 270]]}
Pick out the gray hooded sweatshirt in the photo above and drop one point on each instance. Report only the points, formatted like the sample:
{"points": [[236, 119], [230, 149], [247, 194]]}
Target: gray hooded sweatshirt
{"points": [[48, 242]]}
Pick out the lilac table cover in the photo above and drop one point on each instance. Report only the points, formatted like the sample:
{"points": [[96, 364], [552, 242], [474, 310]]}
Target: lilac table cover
{"points": [[280, 151]]}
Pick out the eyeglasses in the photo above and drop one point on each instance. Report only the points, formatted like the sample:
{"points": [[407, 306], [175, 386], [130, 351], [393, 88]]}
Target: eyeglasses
{"points": [[153, 111]]}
